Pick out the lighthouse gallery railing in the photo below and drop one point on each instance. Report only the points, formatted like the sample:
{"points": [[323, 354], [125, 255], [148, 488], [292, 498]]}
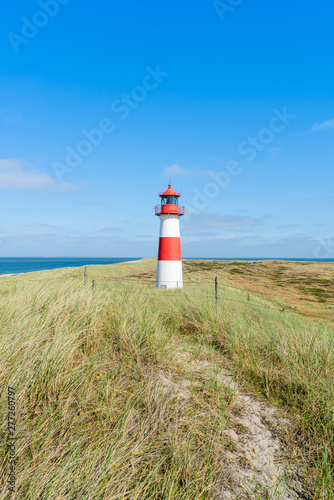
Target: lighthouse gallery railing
{"points": [[169, 209]]}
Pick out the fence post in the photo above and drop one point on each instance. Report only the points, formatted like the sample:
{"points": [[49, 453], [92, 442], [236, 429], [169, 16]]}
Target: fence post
{"points": [[216, 290], [248, 297], [85, 275], [93, 286]]}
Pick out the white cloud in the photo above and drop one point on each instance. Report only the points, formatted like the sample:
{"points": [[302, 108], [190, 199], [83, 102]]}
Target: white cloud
{"points": [[176, 171], [13, 175], [8, 164], [289, 226], [320, 198], [324, 125], [31, 237], [208, 221]]}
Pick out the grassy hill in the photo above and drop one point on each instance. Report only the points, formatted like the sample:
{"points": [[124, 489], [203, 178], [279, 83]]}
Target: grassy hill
{"points": [[124, 393]]}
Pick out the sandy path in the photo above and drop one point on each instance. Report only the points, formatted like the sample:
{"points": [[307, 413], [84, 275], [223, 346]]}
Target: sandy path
{"points": [[258, 470], [263, 473]]}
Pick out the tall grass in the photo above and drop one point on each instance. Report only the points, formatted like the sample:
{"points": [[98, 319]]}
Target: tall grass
{"points": [[290, 360], [121, 435], [99, 381]]}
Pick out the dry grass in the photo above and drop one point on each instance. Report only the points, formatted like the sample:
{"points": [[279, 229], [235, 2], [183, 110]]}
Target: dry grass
{"points": [[130, 433], [125, 434], [306, 287]]}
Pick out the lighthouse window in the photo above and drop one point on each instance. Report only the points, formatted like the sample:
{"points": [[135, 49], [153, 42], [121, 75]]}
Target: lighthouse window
{"points": [[170, 200]]}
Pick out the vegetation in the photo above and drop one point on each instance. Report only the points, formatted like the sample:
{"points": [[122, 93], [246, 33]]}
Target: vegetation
{"points": [[118, 392]]}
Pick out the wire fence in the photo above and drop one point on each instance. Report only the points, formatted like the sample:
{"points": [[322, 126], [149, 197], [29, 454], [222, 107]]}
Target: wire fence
{"points": [[147, 282]]}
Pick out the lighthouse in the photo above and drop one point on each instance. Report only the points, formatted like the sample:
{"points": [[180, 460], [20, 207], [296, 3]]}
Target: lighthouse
{"points": [[169, 268]]}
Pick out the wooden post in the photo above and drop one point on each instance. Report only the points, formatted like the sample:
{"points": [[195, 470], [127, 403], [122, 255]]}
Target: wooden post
{"points": [[93, 286], [85, 275], [248, 297], [216, 290]]}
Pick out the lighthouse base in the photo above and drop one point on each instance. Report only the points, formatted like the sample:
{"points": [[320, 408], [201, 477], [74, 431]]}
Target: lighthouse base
{"points": [[169, 274]]}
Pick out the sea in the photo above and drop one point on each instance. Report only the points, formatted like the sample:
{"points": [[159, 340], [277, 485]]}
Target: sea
{"points": [[26, 265]]}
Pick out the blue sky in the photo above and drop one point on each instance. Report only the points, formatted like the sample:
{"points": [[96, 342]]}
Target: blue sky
{"points": [[102, 105]]}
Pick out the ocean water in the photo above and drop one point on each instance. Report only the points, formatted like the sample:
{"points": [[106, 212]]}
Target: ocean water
{"points": [[26, 265]]}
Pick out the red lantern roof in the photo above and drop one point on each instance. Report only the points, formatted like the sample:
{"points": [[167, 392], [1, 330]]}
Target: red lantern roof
{"points": [[169, 192]]}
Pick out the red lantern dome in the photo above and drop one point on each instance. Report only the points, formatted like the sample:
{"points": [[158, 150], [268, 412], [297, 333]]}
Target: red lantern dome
{"points": [[169, 192], [169, 203]]}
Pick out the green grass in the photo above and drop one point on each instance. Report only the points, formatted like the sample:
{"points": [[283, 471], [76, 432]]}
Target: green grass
{"points": [[236, 271], [128, 433]]}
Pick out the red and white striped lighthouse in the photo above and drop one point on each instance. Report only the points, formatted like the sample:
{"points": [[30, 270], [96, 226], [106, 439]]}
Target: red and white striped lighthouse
{"points": [[169, 269]]}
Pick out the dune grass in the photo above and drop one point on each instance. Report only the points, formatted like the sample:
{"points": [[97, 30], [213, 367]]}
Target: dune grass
{"points": [[290, 362], [112, 400]]}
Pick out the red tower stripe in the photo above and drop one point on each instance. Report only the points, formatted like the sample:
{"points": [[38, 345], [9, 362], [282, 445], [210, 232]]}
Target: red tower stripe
{"points": [[169, 248]]}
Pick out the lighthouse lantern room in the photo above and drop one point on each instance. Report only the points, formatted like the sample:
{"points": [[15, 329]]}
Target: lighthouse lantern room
{"points": [[169, 268]]}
